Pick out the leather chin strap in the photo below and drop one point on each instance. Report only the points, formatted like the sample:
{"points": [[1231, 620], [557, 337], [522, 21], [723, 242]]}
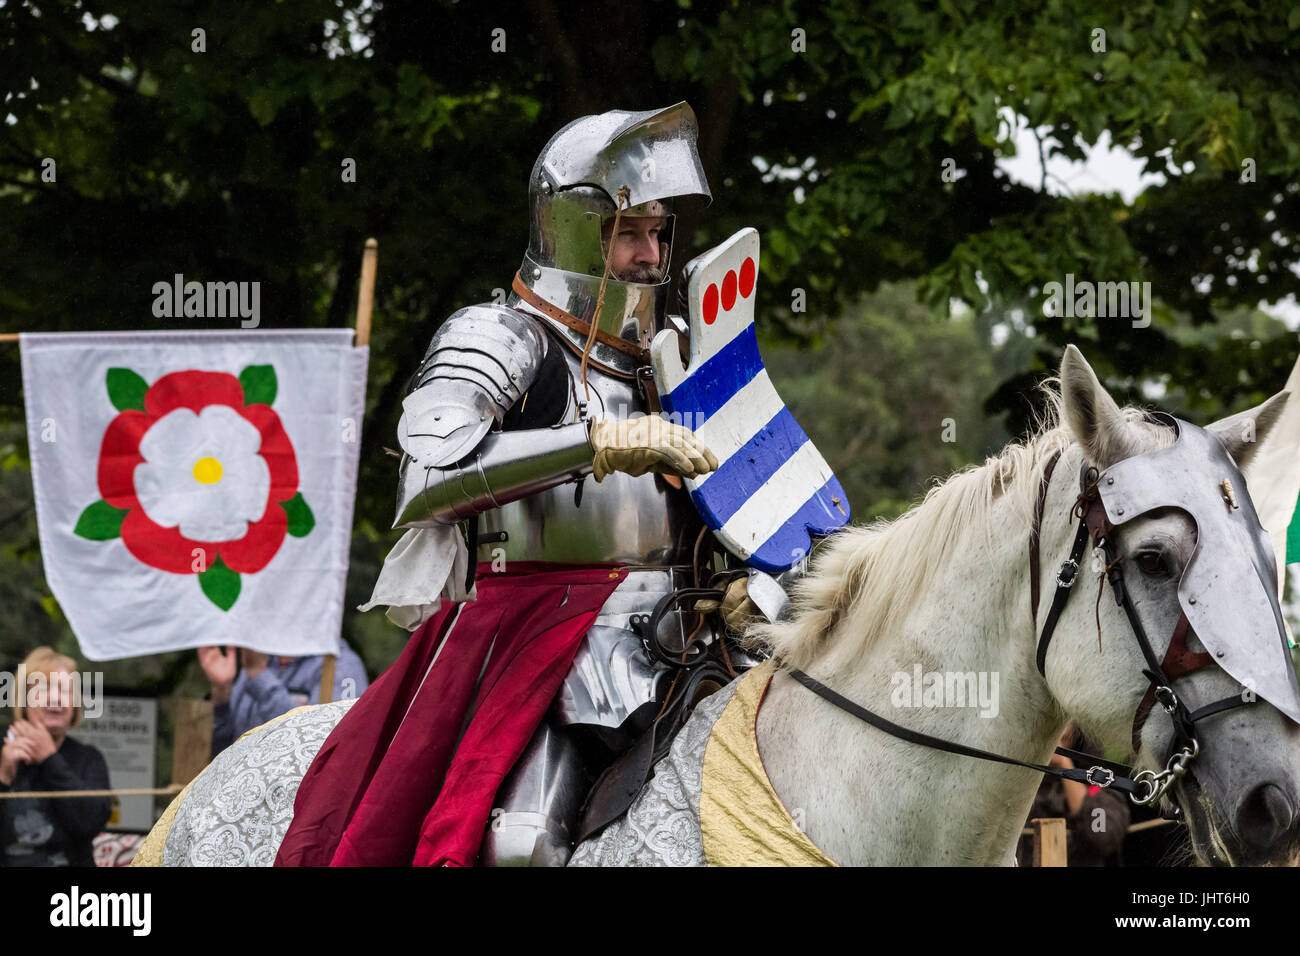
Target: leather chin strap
{"points": [[577, 324]]}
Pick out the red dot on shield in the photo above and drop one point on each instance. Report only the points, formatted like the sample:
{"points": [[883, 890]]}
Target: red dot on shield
{"points": [[729, 290], [710, 304], [748, 271]]}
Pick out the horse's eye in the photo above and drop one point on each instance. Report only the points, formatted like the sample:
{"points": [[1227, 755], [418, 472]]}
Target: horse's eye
{"points": [[1152, 564]]}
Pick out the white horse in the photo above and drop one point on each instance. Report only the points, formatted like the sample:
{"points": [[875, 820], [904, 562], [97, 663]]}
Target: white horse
{"points": [[946, 587], [943, 590]]}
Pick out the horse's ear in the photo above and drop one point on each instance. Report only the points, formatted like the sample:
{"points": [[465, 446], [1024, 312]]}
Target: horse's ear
{"points": [[1091, 414], [1243, 433]]}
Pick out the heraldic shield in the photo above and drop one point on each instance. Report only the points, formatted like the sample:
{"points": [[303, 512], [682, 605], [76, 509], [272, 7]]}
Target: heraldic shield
{"points": [[773, 490]]}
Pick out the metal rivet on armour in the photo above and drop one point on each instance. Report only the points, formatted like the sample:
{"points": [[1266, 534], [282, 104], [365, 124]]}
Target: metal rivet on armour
{"points": [[537, 273], [1110, 481], [1191, 600], [1119, 511]]}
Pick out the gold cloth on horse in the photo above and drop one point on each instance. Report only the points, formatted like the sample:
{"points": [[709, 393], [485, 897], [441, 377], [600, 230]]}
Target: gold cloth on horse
{"points": [[709, 802], [742, 819]]}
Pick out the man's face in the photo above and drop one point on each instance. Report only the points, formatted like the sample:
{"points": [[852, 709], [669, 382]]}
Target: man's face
{"points": [[636, 254]]}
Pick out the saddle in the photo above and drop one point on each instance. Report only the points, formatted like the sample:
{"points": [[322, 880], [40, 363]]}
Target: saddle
{"points": [[700, 674]]}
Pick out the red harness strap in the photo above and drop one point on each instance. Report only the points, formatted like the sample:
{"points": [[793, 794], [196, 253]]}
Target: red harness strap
{"points": [[1179, 661]]}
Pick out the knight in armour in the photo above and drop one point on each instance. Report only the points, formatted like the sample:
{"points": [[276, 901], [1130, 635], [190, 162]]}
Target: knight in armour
{"points": [[547, 523]]}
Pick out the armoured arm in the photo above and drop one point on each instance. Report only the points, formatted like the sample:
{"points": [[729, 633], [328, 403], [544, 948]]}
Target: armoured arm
{"points": [[506, 467], [480, 364]]}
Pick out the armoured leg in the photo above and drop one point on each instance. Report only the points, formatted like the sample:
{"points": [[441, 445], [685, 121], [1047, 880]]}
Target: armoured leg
{"points": [[536, 813]]}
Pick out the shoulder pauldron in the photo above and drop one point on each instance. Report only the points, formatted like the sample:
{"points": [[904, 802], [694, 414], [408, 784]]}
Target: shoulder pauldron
{"points": [[479, 364]]}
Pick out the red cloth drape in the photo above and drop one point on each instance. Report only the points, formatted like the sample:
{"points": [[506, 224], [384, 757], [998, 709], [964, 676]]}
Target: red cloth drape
{"points": [[391, 786]]}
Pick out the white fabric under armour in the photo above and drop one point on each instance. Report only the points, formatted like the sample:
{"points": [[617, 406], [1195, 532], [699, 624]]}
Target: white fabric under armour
{"points": [[424, 567]]}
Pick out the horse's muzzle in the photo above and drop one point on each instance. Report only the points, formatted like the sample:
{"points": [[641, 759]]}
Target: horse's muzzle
{"points": [[1266, 824]]}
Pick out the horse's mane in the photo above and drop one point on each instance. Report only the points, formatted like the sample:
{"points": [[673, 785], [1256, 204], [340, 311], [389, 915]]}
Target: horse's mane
{"points": [[882, 569]]}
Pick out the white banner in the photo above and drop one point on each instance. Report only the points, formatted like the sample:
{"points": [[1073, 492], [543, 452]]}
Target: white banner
{"points": [[196, 488]]}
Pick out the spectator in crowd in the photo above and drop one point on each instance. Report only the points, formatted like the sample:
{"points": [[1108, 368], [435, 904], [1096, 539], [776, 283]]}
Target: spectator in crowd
{"points": [[1096, 820], [39, 755], [257, 688]]}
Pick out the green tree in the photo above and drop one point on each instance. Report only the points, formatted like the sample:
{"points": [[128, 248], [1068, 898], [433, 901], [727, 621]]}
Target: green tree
{"points": [[892, 396], [827, 125]]}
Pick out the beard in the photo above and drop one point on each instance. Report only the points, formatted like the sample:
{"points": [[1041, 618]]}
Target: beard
{"points": [[645, 275]]}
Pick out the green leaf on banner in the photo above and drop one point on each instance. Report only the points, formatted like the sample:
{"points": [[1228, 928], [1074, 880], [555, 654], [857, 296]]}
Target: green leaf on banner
{"points": [[100, 522], [126, 389], [301, 520], [220, 584], [259, 384]]}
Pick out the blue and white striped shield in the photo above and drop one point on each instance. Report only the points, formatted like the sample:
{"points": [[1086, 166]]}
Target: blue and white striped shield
{"points": [[773, 490]]}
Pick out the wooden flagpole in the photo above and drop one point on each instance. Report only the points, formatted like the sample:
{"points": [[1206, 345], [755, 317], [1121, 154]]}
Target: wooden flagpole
{"points": [[365, 299], [366, 294]]}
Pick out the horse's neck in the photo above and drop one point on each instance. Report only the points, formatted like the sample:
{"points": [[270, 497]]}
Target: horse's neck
{"points": [[868, 798]]}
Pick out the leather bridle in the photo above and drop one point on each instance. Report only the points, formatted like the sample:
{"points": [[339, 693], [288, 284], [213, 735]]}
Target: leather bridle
{"points": [[1178, 661], [1145, 787]]}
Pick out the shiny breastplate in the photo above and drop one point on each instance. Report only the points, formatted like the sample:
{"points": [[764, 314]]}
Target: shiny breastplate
{"points": [[624, 520]]}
